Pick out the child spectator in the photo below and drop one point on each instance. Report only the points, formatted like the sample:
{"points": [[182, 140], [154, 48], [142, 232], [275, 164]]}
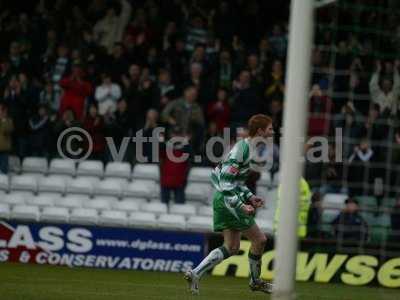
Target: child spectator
{"points": [[174, 167]]}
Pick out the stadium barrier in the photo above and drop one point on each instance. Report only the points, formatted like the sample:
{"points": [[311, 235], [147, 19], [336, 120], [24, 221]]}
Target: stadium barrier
{"points": [[173, 251], [100, 247], [321, 264]]}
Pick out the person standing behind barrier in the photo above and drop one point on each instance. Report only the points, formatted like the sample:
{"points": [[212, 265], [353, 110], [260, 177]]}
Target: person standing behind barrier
{"points": [[187, 114], [76, 89], [305, 201], [107, 95], [6, 128], [174, 168], [349, 225], [94, 125]]}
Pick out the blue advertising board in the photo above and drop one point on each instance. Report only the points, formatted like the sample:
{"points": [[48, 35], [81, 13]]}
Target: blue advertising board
{"points": [[100, 247]]}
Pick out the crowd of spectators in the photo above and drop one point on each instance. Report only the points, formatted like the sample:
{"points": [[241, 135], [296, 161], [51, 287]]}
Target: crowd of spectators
{"points": [[116, 67], [196, 67]]}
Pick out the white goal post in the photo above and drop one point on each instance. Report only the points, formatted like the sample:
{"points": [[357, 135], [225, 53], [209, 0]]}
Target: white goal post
{"points": [[295, 116]]}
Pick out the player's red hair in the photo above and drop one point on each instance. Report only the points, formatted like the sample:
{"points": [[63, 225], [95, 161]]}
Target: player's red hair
{"points": [[256, 122]]}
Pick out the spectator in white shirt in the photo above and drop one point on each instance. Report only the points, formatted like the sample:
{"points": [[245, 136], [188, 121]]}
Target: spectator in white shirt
{"points": [[107, 95], [386, 95]]}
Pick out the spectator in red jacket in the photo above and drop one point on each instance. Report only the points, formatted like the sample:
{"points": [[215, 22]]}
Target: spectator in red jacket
{"points": [[94, 125], [320, 112], [174, 167], [75, 92], [219, 111]]}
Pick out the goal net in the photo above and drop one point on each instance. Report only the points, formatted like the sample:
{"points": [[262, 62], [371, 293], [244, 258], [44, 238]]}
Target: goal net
{"points": [[354, 102]]}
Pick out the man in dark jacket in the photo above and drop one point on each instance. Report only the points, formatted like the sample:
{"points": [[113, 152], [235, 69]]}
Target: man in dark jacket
{"points": [[39, 127], [17, 104], [187, 114], [118, 126], [245, 100], [361, 173], [349, 225]]}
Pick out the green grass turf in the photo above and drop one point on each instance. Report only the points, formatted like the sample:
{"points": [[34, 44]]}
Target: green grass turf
{"points": [[35, 282]]}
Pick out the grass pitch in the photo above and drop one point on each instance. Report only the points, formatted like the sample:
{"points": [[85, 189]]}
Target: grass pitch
{"points": [[35, 282]]}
